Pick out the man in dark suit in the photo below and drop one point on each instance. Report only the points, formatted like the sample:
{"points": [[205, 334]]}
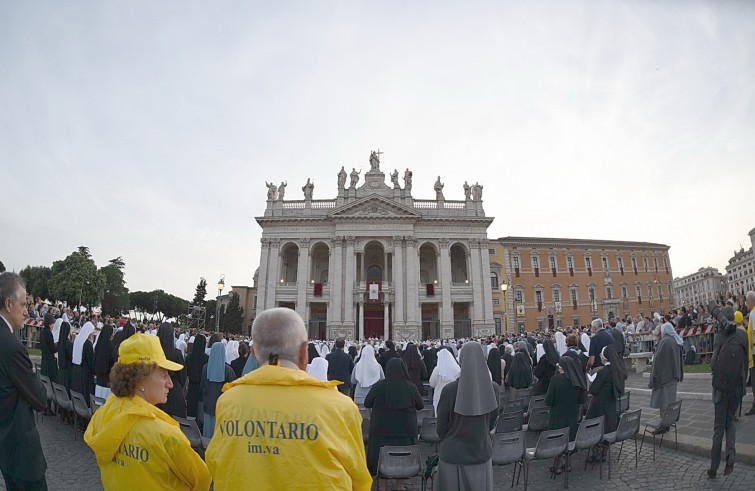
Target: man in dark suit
{"points": [[21, 460], [340, 366]]}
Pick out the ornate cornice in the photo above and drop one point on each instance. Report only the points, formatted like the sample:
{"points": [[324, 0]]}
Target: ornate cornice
{"points": [[542, 242]]}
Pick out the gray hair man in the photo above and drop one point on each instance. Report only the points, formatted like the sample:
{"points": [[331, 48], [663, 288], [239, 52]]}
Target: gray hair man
{"points": [[22, 462], [277, 425], [599, 340]]}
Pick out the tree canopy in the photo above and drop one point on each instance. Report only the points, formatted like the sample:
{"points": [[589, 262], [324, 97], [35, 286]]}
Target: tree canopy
{"points": [[76, 279], [116, 298], [37, 280]]}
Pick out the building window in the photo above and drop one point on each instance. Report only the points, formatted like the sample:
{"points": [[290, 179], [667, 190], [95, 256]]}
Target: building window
{"points": [[496, 301], [588, 262], [655, 263], [515, 261], [569, 262], [573, 294], [609, 292], [539, 296], [552, 261], [535, 262], [624, 292], [605, 263], [498, 325], [665, 262], [491, 252], [670, 289], [494, 280], [540, 325], [650, 290], [645, 263], [620, 262], [575, 321], [591, 293], [634, 263], [520, 325], [518, 296], [556, 295]]}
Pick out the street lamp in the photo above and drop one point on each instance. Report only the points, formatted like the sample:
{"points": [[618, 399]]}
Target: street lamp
{"points": [[221, 285], [505, 287]]}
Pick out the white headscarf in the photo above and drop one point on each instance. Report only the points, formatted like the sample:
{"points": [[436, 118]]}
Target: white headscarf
{"points": [[367, 370], [318, 368], [560, 342], [540, 351], [585, 341], [448, 369], [78, 344], [231, 351], [56, 329], [324, 350], [181, 344]]}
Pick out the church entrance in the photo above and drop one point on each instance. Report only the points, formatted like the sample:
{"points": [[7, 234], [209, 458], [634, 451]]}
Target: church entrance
{"points": [[374, 318]]}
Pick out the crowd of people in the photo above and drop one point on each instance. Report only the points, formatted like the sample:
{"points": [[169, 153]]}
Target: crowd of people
{"points": [[283, 411]]}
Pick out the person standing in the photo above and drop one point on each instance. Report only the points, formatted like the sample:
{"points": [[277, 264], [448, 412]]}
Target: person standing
{"points": [[750, 303], [667, 369], [82, 378], [607, 387], [65, 355], [312, 438], [239, 363], [215, 374], [446, 371], [729, 363], [415, 367], [136, 444], [394, 402], [367, 371], [176, 405], [545, 368], [600, 339], [467, 412], [340, 366], [49, 365], [103, 362], [196, 360], [22, 461]]}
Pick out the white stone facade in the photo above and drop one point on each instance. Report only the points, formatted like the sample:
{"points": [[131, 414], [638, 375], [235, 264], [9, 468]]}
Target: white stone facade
{"points": [[427, 259], [699, 288]]}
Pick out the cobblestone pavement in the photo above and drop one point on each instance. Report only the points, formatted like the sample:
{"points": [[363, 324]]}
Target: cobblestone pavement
{"points": [[72, 466]]}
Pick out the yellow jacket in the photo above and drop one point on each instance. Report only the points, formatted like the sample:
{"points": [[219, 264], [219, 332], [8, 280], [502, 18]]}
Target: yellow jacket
{"points": [[749, 335], [278, 428], [138, 446]]}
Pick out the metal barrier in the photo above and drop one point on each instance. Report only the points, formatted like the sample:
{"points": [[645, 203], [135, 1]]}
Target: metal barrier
{"points": [[701, 337], [29, 333]]}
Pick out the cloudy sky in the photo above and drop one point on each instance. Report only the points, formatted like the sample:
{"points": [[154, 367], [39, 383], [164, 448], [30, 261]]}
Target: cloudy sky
{"points": [[147, 129]]}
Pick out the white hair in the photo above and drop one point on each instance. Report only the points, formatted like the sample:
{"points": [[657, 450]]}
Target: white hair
{"points": [[597, 324], [751, 296], [279, 330]]}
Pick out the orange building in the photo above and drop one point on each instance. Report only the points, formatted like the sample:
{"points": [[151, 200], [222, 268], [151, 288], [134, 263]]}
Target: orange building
{"points": [[549, 282]]}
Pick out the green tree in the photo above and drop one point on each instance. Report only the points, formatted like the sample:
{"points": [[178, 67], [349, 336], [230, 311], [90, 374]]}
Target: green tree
{"points": [[116, 298], [76, 278], [159, 302], [201, 292], [2, 267], [234, 315], [37, 280]]}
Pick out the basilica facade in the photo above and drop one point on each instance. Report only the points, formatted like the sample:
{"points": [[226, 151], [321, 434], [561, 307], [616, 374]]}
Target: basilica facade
{"points": [[376, 262]]}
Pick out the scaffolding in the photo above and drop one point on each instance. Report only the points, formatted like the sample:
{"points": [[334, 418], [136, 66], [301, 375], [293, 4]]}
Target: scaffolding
{"points": [[196, 316]]}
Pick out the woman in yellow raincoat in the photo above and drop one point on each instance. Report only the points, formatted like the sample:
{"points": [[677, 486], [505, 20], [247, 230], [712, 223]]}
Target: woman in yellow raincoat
{"points": [[137, 445]]}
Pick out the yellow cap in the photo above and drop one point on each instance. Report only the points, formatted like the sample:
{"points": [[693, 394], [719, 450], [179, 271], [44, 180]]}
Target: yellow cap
{"points": [[738, 317], [143, 348]]}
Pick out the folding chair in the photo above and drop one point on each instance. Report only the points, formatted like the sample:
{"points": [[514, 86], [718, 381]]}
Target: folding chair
{"points": [[514, 406], [62, 400], [629, 427], [622, 403], [589, 434], [535, 402], [509, 422], [539, 419], [399, 462], [550, 444], [428, 433], [80, 408], [50, 394], [190, 429], [422, 414], [508, 448], [670, 418]]}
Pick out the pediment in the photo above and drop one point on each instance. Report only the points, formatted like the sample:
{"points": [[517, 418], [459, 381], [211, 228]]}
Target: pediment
{"points": [[374, 206]]}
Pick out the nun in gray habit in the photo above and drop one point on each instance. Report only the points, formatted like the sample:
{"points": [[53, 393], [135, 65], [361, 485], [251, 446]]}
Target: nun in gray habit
{"points": [[467, 412]]}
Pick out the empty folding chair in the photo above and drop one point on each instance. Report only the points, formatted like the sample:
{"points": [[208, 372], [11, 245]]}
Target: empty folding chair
{"points": [[508, 448], [508, 422], [622, 403], [422, 414], [550, 444], [535, 402], [661, 425], [399, 462], [589, 434], [62, 400], [190, 429], [629, 427], [428, 433], [48, 391], [538, 419], [514, 406], [80, 408]]}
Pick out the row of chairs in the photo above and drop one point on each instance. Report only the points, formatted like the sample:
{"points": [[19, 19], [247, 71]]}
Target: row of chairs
{"points": [[65, 401]]}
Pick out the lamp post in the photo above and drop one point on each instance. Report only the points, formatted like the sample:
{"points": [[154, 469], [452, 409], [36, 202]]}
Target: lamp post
{"points": [[221, 285], [504, 288]]}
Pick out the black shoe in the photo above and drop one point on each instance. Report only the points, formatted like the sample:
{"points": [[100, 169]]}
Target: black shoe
{"points": [[729, 469], [711, 474], [751, 411]]}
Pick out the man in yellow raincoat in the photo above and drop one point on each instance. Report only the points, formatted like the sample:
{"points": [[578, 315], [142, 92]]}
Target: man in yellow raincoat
{"points": [[278, 428]]}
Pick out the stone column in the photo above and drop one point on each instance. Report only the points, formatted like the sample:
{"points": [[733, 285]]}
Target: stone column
{"points": [[361, 276], [477, 286], [385, 320], [412, 282], [335, 278], [272, 279], [262, 279], [398, 272], [361, 319], [302, 278], [487, 297], [349, 283], [447, 310]]}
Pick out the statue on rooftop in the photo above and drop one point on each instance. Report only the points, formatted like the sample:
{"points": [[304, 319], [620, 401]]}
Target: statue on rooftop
{"points": [[282, 190], [408, 180], [341, 178], [272, 191], [354, 177], [394, 179], [438, 190], [308, 188]]}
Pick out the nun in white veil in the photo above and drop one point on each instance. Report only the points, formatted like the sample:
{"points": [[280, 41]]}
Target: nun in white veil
{"points": [[366, 372], [560, 343], [319, 369], [585, 339]]}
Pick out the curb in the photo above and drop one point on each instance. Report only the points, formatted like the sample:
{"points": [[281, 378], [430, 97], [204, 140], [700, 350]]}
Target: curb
{"points": [[699, 396], [703, 376]]}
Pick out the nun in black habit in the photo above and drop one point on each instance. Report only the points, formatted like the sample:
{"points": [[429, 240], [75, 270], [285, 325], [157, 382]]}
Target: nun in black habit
{"points": [[607, 387], [565, 394], [195, 361], [103, 362], [48, 366], [545, 368], [65, 356], [520, 374], [176, 404]]}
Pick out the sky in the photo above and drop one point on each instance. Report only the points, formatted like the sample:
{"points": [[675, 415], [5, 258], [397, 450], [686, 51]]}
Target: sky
{"points": [[147, 130]]}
